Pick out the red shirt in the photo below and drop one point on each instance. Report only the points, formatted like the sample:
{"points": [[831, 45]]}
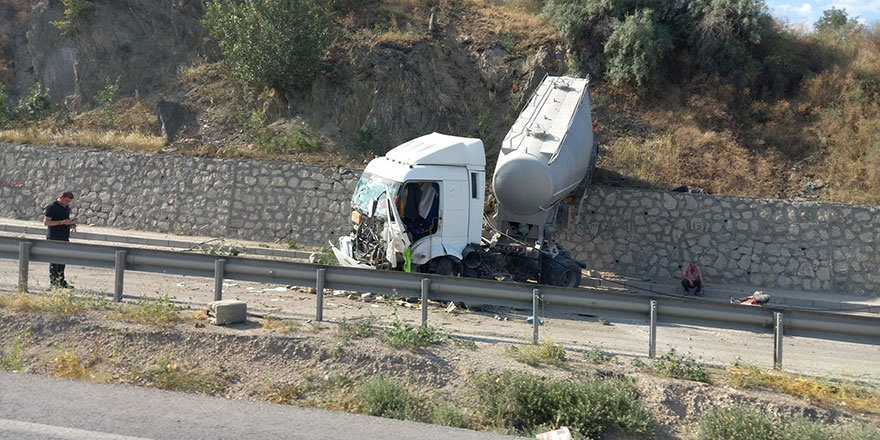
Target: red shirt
{"points": [[692, 274]]}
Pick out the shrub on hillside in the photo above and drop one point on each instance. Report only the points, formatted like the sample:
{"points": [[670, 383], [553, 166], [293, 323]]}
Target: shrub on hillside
{"points": [[526, 402], [635, 49], [277, 43], [75, 14], [581, 22], [35, 105], [4, 117]]}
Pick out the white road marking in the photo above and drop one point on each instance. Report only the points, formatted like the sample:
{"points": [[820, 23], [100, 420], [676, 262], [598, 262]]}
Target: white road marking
{"points": [[59, 432]]}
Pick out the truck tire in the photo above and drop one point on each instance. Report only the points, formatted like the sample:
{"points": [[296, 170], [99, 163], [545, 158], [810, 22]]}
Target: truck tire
{"points": [[561, 271], [445, 266]]}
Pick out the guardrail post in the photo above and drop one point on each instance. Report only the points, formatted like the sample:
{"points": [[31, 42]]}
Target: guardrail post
{"points": [[426, 286], [777, 341], [652, 332], [24, 259], [319, 290], [536, 294], [218, 279], [120, 275]]}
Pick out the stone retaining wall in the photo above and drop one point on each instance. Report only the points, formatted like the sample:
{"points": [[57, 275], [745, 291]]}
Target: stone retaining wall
{"points": [[763, 243], [247, 199], [644, 234]]}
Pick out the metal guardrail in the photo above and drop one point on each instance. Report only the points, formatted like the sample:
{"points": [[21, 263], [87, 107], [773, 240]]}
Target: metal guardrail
{"points": [[821, 325]]}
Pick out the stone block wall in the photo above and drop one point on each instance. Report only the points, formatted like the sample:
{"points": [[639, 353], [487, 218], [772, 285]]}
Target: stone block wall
{"points": [[762, 243], [644, 234], [256, 200]]}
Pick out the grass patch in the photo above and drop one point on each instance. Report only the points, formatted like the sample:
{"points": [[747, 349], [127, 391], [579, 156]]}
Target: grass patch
{"points": [[168, 375], [12, 360], [746, 423], [403, 335], [812, 389], [349, 330], [545, 353], [159, 312], [525, 402], [58, 301], [679, 366], [597, 356], [84, 138], [279, 325], [68, 365], [286, 394], [446, 414], [467, 343], [384, 397]]}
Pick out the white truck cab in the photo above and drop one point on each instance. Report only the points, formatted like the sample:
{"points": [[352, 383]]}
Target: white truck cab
{"points": [[436, 183]]}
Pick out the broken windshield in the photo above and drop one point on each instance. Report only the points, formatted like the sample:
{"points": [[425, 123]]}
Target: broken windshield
{"points": [[372, 187]]}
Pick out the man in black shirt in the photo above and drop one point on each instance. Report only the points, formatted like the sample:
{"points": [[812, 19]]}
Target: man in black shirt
{"points": [[58, 220]]}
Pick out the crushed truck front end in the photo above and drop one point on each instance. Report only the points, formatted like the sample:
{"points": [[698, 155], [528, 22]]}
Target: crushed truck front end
{"points": [[419, 204]]}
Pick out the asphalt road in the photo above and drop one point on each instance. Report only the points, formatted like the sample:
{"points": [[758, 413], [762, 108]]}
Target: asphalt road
{"points": [[38, 407]]}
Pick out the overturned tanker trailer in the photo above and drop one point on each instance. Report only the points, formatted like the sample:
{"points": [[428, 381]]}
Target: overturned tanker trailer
{"points": [[421, 206]]}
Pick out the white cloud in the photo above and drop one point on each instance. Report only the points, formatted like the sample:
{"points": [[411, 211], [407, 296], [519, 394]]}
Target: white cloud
{"points": [[805, 9]]}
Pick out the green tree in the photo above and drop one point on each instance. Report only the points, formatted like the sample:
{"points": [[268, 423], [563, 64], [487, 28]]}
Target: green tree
{"points": [[277, 43], [635, 49], [837, 21]]}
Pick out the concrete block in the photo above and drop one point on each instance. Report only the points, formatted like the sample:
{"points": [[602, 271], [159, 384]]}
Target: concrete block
{"points": [[228, 311]]}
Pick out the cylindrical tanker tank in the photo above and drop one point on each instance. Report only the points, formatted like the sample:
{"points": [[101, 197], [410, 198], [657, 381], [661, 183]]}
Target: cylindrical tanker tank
{"points": [[546, 153]]}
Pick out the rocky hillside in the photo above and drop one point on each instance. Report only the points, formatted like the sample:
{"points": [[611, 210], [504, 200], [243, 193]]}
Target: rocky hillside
{"points": [[796, 121], [392, 73]]}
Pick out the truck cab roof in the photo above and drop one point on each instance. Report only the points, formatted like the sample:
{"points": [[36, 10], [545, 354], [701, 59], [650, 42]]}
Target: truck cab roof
{"points": [[439, 149]]}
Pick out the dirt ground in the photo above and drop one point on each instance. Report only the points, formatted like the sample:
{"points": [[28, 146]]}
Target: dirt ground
{"points": [[251, 357]]}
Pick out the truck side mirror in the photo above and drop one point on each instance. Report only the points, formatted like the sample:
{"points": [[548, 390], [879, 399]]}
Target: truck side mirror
{"points": [[372, 208]]}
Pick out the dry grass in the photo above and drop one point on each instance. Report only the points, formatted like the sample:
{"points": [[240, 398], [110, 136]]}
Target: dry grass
{"points": [[85, 138], [280, 325], [67, 364], [814, 390], [61, 302]]}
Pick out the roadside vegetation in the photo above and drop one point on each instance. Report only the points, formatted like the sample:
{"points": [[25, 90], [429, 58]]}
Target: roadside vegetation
{"points": [[546, 353], [751, 423], [811, 389], [160, 312], [675, 366]]}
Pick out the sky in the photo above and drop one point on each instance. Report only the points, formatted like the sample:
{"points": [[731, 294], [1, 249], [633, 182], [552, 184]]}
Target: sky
{"points": [[806, 12]]}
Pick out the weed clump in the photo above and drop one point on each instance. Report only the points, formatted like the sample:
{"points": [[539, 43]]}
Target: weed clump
{"points": [[403, 335], [160, 312], [168, 375], [349, 330], [545, 353], [745, 423], [446, 414], [678, 366], [12, 360], [597, 356], [383, 397], [593, 408]]}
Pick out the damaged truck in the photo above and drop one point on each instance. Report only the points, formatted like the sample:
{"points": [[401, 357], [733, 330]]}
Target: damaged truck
{"points": [[422, 207]]}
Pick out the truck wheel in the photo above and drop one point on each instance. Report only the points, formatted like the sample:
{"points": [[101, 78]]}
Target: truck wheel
{"points": [[445, 266], [561, 271]]}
